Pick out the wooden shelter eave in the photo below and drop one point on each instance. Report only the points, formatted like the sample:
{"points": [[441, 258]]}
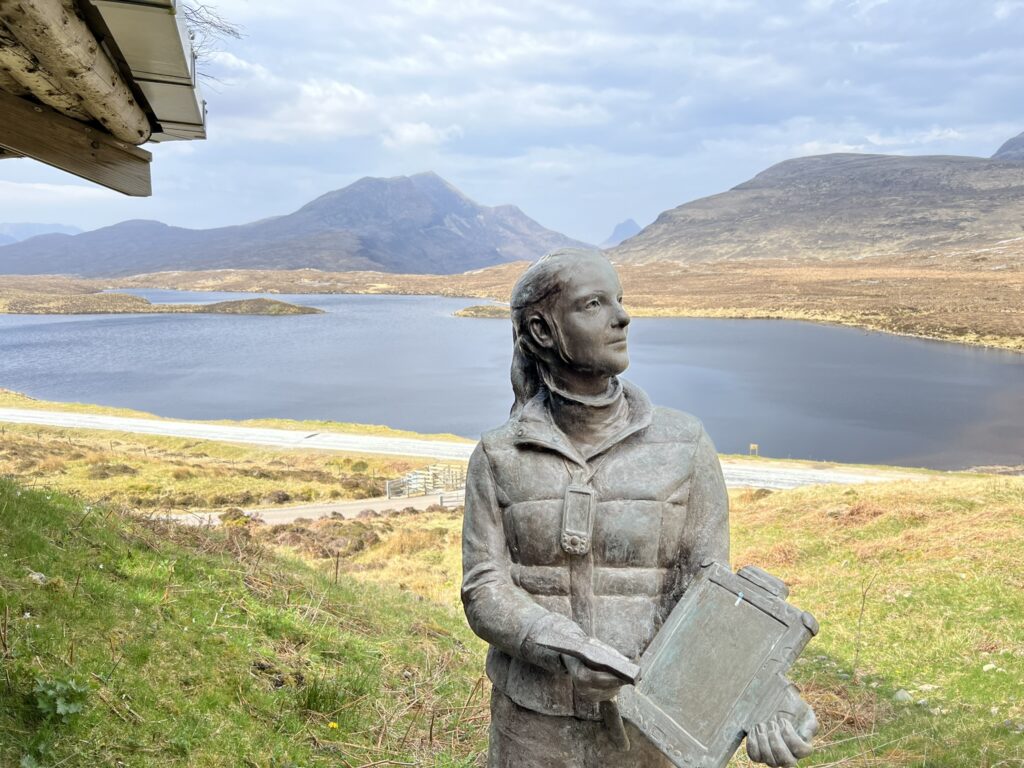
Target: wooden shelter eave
{"points": [[39, 132]]}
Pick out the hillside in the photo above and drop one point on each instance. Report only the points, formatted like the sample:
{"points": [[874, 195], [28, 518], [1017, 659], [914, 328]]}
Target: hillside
{"points": [[844, 206], [182, 645], [920, 661], [126, 641], [415, 224]]}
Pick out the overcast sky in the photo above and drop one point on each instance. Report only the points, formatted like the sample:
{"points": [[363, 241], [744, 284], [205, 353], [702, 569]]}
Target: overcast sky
{"points": [[581, 113]]}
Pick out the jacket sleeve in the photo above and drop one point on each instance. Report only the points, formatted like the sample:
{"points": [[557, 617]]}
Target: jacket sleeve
{"points": [[499, 611], [707, 520]]}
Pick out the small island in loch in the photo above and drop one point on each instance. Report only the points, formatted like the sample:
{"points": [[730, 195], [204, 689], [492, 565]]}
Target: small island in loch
{"points": [[69, 296]]}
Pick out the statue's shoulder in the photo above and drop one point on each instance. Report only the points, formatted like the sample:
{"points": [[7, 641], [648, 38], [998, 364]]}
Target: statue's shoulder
{"points": [[666, 425], [671, 426], [499, 438]]}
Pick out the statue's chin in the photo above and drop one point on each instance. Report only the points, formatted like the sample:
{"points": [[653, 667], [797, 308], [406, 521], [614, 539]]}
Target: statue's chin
{"points": [[619, 365]]}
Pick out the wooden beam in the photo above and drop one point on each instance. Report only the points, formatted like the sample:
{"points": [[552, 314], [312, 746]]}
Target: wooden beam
{"points": [[46, 135], [65, 46], [21, 74]]}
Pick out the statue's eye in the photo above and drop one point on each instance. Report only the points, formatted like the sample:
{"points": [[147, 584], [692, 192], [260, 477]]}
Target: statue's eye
{"points": [[593, 303]]}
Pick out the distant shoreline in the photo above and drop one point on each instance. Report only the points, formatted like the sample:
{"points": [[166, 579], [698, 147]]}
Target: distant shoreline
{"points": [[124, 304], [938, 300]]}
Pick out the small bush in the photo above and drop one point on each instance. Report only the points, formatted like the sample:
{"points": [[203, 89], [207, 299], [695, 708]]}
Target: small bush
{"points": [[103, 471], [277, 497]]}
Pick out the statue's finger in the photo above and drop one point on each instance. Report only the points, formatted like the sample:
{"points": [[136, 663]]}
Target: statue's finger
{"points": [[763, 740], [780, 752], [808, 725], [602, 680], [754, 745], [799, 747]]}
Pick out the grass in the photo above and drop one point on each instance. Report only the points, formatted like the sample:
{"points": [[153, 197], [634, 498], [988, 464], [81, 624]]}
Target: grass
{"points": [[918, 587], [207, 649], [201, 648], [171, 474]]}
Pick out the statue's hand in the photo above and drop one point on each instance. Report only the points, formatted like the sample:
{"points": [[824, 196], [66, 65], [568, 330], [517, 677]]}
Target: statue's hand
{"points": [[591, 683], [785, 738]]}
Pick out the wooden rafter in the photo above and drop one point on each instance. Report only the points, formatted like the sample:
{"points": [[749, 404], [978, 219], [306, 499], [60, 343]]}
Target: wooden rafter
{"points": [[66, 49], [46, 135], [22, 74]]}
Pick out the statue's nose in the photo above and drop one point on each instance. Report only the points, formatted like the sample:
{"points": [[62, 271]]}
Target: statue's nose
{"points": [[622, 317]]}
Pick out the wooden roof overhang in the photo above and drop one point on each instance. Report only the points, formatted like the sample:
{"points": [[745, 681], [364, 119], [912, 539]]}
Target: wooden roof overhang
{"points": [[84, 83]]}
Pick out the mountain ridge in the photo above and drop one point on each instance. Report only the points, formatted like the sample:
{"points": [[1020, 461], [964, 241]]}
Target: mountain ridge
{"points": [[22, 230], [846, 205], [418, 224]]}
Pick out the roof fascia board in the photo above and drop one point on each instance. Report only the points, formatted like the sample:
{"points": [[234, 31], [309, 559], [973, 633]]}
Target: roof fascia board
{"points": [[46, 135]]}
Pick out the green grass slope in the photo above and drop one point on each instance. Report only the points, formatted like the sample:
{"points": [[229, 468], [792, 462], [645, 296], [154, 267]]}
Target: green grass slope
{"points": [[128, 642], [186, 647]]}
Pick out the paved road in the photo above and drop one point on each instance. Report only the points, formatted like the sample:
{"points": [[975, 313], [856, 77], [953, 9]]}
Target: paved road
{"points": [[738, 472], [279, 438]]}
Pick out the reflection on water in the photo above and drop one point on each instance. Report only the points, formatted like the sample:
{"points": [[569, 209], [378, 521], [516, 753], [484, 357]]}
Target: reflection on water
{"points": [[794, 388]]}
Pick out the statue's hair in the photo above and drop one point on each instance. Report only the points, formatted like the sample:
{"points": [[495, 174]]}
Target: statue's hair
{"points": [[536, 292]]}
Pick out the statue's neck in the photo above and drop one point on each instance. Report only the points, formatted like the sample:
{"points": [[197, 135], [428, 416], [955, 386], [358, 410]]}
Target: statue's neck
{"points": [[588, 421]]}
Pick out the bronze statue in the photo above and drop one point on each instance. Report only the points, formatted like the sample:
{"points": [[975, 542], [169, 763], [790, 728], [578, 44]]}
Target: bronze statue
{"points": [[588, 514]]}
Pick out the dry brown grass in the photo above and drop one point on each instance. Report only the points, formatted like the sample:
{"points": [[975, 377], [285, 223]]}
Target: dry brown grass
{"points": [[175, 474], [969, 298]]}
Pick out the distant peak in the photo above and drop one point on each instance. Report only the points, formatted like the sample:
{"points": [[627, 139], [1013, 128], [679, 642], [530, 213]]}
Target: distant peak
{"points": [[623, 231], [1013, 150]]}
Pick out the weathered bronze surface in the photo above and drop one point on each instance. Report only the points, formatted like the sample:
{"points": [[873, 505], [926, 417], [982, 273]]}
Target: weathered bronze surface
{"points": [[589, 514], [717, 667]]}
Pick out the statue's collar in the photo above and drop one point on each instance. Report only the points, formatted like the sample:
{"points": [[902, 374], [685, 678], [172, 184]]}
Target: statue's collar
{"points": [[609, 397], [535, 426]]}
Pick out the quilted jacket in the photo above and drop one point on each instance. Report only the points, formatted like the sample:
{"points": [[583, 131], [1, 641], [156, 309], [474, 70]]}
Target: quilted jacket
{"points": [[661, 509]]}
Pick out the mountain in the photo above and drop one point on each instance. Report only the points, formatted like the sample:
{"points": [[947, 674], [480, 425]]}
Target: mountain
{"points": [[412, 224], [1012, 150], [623, 231], [848, 206], [12, 232]]}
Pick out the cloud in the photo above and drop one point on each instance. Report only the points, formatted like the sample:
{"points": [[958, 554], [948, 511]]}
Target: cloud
{"points": [[1007, 8], [580, 111], [405, 135], [41, 193]]}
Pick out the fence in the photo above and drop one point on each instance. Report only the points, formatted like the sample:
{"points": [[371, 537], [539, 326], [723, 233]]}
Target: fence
{"points": [[437, 478]]}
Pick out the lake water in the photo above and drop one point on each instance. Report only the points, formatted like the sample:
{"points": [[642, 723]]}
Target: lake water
{"points": [[796, 389]]}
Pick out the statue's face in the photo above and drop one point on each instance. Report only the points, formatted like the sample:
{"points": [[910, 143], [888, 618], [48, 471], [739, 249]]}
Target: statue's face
{"points": [[591, 320]]}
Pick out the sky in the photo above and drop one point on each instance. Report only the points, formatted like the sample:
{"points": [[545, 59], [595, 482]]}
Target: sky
{"points": [[583, 113]]}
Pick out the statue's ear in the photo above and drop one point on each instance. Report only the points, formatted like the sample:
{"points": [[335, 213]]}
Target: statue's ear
{"points": [[540, 332]]}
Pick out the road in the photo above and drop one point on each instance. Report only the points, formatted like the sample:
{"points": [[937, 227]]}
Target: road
{"points": [[448, 450], [777, 475]]}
